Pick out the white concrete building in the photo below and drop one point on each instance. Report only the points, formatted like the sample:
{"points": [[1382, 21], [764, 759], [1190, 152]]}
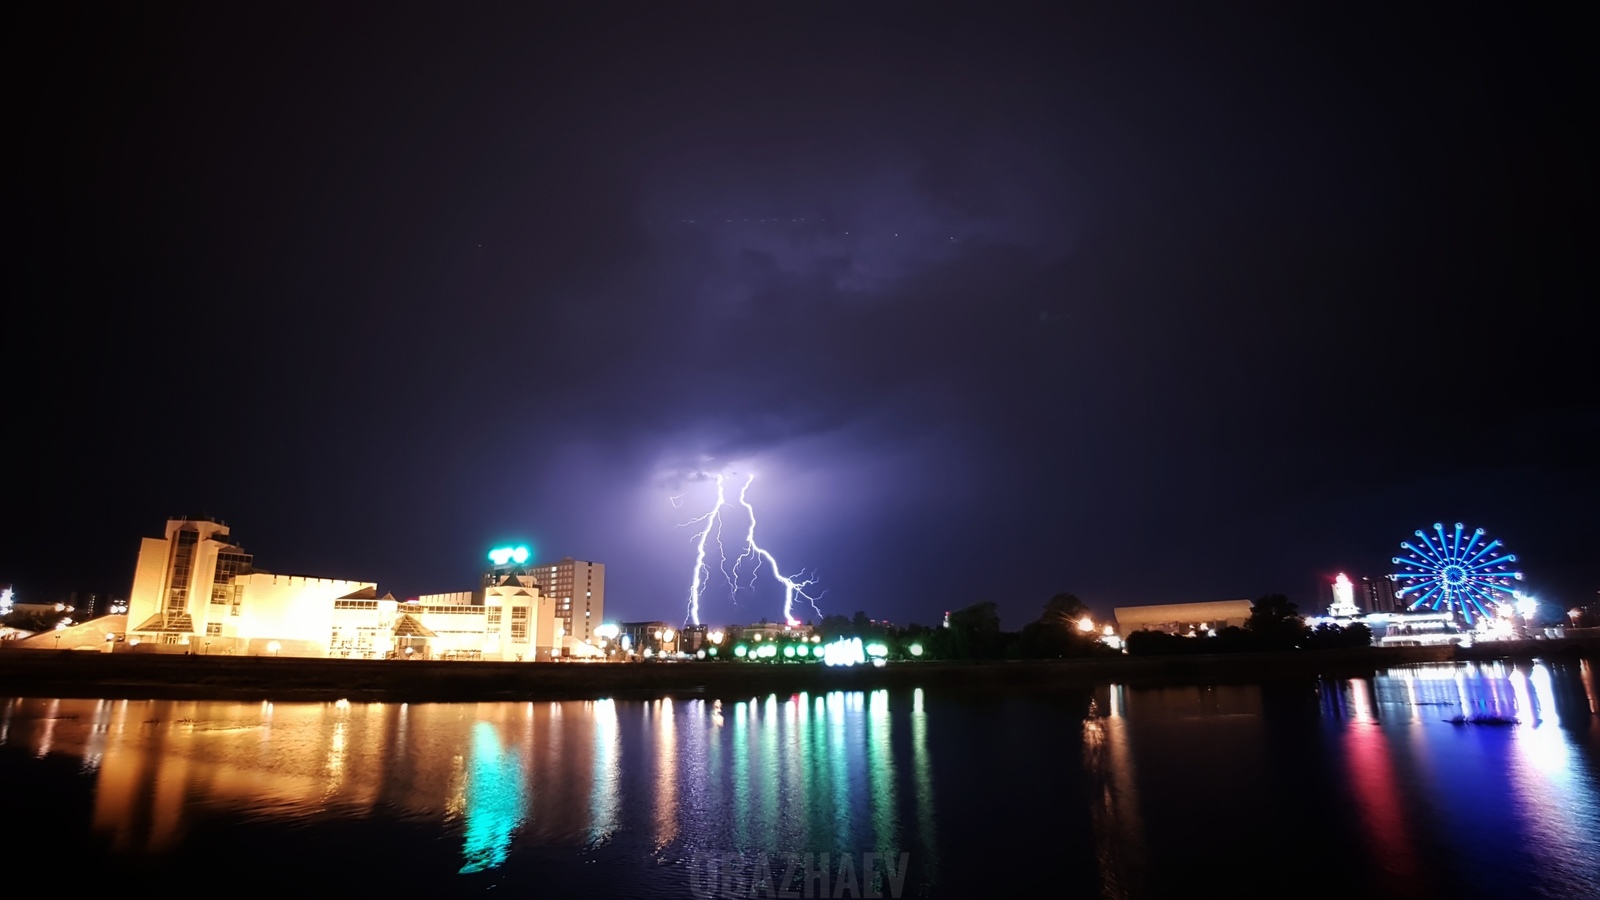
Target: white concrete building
{"points": [[579, 589], [196, 592], [1183, 618]]}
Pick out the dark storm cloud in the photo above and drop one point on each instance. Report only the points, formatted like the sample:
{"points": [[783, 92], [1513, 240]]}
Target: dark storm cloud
{"points": [[1128, 301], [771, 315]]}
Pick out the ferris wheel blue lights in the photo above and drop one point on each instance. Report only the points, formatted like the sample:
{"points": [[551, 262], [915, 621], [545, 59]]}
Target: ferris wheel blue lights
{"points": [[1447, 573]]}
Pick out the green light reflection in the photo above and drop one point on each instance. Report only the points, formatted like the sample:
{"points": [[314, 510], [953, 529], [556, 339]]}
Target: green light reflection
{"points": [[741, 776], [881, 774], [928, 863], [496, 799], [839, 769]]}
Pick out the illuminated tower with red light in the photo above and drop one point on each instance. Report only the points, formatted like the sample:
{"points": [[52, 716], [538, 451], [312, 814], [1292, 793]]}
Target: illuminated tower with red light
{"points": [[1344, 599]]}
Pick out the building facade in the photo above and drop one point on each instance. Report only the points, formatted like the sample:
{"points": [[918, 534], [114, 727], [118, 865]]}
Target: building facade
{"points": [[649, 638], [1183, 618], [1378, 595], [195, 591], [579, 589], [768, 631], [1344, 599], [189, 595]]}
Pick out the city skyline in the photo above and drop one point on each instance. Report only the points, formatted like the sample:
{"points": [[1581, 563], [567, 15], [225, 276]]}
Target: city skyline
{"points": [[996, 306], [1374, 593]]}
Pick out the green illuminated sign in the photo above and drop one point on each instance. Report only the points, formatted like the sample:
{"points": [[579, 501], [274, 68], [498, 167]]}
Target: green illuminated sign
{"points": [[503, 555]]}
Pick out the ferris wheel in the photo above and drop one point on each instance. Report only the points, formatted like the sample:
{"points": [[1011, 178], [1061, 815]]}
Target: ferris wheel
{"points": [[1449, 574]]}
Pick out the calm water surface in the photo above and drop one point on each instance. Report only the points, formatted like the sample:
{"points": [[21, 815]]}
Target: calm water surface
{"points": [[1325, 788]]}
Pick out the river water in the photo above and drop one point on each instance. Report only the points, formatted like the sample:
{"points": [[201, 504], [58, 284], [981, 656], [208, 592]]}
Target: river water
{"points": [[1290, 788]]}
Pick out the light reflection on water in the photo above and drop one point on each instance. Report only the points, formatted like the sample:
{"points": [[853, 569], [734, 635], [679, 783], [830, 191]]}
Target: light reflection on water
{"points": [[660, 784]]}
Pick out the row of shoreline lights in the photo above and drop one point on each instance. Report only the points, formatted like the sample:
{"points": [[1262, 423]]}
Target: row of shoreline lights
{"points": [[842, 652]]}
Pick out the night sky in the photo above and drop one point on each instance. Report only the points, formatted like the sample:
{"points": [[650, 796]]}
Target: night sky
{"points": [[1149, 303]]}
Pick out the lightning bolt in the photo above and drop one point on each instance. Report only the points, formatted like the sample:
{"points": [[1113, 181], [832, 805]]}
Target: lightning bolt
{"points": [[791, 587], [713, 519]]}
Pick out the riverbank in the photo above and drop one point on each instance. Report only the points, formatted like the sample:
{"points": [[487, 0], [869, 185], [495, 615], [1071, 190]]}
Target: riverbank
{"points": [[140, 676]]}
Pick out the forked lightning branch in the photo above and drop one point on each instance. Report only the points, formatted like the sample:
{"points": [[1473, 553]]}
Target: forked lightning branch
{"points": [[795, 587]]}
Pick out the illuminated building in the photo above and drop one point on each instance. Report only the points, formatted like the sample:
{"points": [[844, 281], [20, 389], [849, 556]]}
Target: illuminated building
{"points": [[196, 592], [650, 638], [1344, 599], [1183, 618], [767, 631], [1412, 629], [579, 589], [694, 637], [189, 593], [98, 635]]}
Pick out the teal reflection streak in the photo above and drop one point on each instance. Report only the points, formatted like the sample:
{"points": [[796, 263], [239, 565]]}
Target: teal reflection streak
{"points": [[770, 774], [741, 776], [839, 768], [822, 813], [495, 801], [880, 759], [923, 768], [798, 788]]}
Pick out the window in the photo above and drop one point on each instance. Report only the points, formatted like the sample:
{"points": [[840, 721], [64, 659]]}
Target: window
{"points": [[519, 632], [169, 638], [229, 564], [213, 628], [494, 617], [182, 560]]}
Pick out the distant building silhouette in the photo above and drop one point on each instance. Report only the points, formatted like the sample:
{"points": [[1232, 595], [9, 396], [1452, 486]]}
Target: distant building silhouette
{"points": [[1377, 595]]}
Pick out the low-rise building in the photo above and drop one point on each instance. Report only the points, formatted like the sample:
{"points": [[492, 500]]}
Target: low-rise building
{"points": [[769, 631], [196, 592], [649, 638], [1183, 618]]}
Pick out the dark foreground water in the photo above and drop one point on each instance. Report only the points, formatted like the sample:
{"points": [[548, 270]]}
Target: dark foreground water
{"points": [[1333, 788]]}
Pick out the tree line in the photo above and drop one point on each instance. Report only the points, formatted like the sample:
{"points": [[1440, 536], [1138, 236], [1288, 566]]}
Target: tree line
{"points": [[974, 633], [1275, 624]]}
